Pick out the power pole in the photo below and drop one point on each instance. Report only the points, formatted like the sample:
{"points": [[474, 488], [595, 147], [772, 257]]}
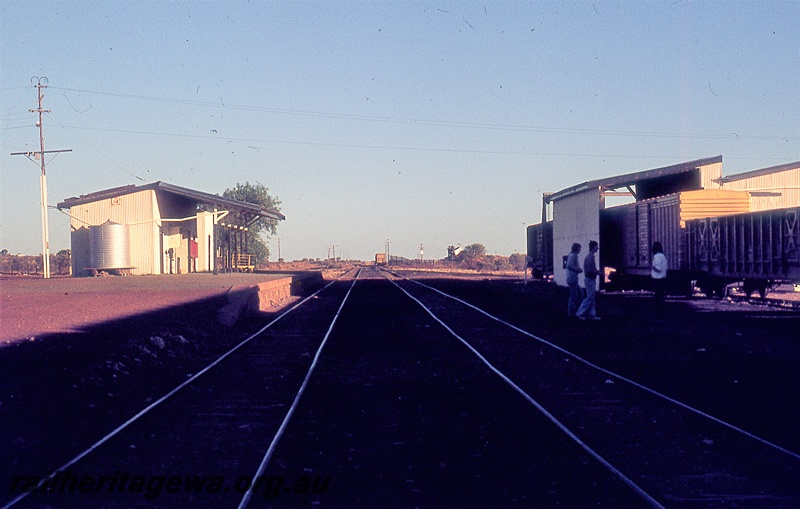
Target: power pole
{"points": [[43, 178]]}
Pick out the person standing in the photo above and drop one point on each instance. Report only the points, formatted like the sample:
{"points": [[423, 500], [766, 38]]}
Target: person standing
{"points": [[587, 309], [573, 269], [658, 273]]}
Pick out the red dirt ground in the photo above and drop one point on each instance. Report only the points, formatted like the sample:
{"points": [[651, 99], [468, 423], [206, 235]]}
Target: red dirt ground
{"points": [[32, 307]]}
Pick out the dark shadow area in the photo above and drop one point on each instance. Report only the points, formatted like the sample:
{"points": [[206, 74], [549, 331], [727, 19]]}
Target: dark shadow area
{"points": [[62, 392], [733, 360]]}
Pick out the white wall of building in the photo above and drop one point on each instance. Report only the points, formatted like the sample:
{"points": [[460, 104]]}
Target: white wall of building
{"points": [[151, 234], [710, 175], [205, 240], [576, 218], [138, 210], [778, 190]]}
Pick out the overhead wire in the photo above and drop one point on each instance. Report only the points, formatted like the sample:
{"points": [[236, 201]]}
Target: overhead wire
{"points": [[16, 127], [95, 149], [381, 147], [372, 118], [428, 122]]}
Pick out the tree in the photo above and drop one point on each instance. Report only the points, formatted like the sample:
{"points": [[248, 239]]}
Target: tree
{"points": [[499, 263], [473, 252], [517, 261], [5, 262], [259, 194], [61, 261]]}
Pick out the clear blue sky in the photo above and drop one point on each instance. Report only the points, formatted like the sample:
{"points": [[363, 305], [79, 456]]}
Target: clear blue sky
{"points": [[431, 123]]}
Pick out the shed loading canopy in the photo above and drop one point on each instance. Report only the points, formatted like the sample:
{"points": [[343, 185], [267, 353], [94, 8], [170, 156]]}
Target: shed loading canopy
{"points": [[649, 183], [241, 213], [759, 173]]}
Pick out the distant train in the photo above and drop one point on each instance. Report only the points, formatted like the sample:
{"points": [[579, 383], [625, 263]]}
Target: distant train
{"points": [[380, 259], [756, 249]]}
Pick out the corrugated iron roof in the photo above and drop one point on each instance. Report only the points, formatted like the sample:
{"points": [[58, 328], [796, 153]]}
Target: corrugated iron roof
{"points": [[758, 173], [633, 178], [199, 196]]}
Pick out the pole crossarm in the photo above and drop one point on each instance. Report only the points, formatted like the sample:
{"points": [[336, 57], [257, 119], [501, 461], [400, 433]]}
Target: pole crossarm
{"points": [[29, 154]]}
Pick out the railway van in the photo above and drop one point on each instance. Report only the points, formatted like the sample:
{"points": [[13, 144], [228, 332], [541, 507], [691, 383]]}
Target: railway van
{"points": [[756, 249], [540, 250], [627, 233], [710, 238]]}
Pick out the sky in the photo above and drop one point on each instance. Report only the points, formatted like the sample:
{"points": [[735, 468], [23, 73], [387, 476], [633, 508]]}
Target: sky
{"points": [[379, 122]]}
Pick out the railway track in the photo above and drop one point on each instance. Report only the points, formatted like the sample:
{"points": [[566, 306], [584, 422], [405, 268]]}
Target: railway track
{"points": [[380, 390], [773, 300]]}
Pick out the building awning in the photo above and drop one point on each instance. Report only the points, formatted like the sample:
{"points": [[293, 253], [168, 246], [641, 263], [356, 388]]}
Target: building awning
{"points": [[678, 176], [247, 211], [759, 173]]}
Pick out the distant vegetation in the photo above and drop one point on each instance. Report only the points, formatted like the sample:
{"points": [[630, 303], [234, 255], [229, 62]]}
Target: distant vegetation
{"points": [[471, 258], [474, 257], [26, 264], [259, 194]]}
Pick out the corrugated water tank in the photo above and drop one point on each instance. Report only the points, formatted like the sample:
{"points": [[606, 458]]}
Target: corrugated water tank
{"points": [[109, 246]]}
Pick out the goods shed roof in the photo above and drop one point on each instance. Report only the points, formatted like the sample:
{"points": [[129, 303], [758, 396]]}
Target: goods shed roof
{"points": [[759, 173], [675, 178], [201, 198]]}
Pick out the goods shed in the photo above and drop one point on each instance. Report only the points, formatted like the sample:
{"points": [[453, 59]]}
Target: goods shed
{"points": [[776, 187], [576, 210], [160, 228]]}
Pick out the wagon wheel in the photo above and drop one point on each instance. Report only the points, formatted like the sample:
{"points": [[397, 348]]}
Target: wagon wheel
{"points": [[749, 287], [713, 290]]}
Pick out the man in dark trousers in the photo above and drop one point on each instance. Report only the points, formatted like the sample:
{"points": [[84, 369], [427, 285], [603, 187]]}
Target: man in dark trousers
{"points": [[573, 269], [587, 310]]}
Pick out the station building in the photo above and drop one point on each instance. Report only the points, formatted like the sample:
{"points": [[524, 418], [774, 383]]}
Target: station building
{"points": [[160, 228], [671, 194]]}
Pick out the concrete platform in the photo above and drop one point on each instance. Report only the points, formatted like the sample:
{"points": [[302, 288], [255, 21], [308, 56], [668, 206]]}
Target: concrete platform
{"points": [[31, 307]]}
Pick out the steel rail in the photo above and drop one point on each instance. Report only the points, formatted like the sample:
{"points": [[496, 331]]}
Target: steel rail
{"points": [[279, 434], [615, 375], [615, 471], [163, 398]]}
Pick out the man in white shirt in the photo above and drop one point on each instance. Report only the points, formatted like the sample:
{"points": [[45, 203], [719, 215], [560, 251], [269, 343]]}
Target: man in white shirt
{"points": [[573, 269], [587, 310], [658, 273]]}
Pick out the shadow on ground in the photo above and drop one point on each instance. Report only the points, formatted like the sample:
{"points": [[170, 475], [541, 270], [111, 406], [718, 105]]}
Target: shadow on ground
{"points": [[76, 387]]}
